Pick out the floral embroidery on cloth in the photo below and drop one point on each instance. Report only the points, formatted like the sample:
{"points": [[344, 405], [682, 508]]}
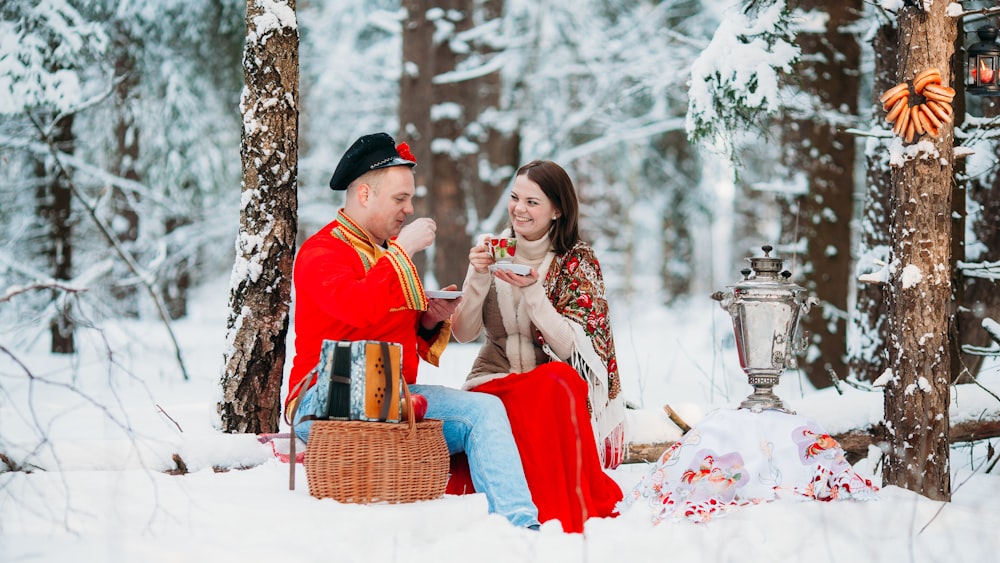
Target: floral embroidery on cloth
{"points": [[736, 457], [832, 473]]}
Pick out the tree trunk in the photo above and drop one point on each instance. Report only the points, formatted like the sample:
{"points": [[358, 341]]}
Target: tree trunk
{"points": [[489, 169], [416, 95], [260, 290], [867, 352], [959, 213], [175, 280], [823, 152], [679, 260], [917, 394], [125, 220], [54, 208], [981, 297], [472, 157]]}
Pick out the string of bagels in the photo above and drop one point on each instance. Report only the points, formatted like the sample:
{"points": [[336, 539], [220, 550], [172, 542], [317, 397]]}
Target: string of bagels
{"points": [[923, 111]]}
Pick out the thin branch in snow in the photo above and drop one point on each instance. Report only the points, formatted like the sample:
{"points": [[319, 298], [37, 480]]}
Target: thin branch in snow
{"points": [[981, 386], [44, 442], [835, 380], [992, 328], [980, 350], [961, 14], [159, 408], [17, 290], [984, 270], [993, 464]]}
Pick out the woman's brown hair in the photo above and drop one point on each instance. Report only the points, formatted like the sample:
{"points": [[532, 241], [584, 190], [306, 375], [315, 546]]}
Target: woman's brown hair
{"points": [[556, 185]]}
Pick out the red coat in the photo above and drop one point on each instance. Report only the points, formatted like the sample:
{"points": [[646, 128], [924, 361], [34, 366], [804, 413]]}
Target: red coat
{"points": [[346, 288]]}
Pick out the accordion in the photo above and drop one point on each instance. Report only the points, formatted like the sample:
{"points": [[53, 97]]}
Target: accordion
{"points": [[360, 380]]}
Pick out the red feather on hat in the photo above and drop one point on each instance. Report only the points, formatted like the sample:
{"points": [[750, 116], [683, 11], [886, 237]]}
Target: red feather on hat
{"points": [[404, 152]]}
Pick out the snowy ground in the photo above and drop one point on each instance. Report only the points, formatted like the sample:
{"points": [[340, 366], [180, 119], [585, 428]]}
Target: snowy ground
{"points": [[98, 491]]}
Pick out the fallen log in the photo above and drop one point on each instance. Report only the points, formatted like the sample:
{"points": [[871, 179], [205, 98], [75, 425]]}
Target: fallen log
{"points": [[854, 442]]}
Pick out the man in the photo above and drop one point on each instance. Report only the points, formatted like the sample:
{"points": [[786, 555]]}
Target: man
{"points": [[354, 280]]}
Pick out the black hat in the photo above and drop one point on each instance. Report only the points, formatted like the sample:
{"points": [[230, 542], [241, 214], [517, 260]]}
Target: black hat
{"points": [[368, 153]]}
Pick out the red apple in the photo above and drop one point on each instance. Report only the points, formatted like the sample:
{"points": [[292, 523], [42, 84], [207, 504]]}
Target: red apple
{"points": [[419, 405]]}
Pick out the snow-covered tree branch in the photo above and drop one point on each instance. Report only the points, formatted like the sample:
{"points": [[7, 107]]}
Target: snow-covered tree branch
{"points": [[735, 82]]}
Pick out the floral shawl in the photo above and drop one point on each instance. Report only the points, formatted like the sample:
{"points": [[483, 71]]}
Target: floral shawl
{"points": [[575, 286]]}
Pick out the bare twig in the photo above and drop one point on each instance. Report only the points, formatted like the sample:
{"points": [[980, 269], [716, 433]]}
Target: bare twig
{"points": [[835, 380], [859, 385], [159, 408], [982, 11], [849, 380], [12, 292], [983, 387], [67, 386], [676, 419], [181, 467], [944, 504], [993, 464], [11, 464]]}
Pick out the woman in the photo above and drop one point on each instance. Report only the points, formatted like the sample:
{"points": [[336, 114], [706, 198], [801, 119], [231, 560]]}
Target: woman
{"points": [[549, 354]]}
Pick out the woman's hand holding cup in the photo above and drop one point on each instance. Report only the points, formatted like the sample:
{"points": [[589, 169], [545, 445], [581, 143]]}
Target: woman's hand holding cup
{"points": [[479, 256], [492, 250]]}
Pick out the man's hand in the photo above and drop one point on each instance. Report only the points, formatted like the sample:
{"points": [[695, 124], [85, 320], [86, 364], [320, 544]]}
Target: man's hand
{"points": [[439, 309], [417, 236]]}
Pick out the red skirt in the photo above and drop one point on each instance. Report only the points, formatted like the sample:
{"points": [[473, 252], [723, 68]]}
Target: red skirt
{"points": [[547, 408]]}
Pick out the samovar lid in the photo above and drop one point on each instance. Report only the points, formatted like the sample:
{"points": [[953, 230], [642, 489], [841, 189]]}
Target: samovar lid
{"points": [[766, 266]]}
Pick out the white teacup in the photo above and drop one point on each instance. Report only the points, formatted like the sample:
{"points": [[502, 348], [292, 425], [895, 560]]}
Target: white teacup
{"points": [[501, 249]]}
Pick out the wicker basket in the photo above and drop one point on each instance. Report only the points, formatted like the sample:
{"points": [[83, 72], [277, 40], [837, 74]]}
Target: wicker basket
{"points": [[363, 462]]}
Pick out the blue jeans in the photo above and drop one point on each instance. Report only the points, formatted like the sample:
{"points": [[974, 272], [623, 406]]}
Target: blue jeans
{"points": [[474, 423]]}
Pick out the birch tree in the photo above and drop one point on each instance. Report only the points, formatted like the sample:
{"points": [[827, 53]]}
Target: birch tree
{"points": [[260, 286]]}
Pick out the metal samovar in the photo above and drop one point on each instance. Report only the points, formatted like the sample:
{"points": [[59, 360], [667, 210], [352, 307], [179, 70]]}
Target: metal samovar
{"points": [[765, 308]]}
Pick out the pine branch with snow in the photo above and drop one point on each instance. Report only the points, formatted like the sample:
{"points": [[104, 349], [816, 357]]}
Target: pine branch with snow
{"points": [[44, 47], [735, 81]]}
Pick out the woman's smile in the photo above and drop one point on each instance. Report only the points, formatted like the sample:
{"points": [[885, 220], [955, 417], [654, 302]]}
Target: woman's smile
{"points": [[529, 209]]}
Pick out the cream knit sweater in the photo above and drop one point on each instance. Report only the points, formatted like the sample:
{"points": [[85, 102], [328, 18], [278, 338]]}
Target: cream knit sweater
{"points": [[509, 316]]}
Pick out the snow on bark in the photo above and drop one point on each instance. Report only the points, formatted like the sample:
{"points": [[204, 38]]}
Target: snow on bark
{"points": [[911, 276], [276, 17], [900, 154]]}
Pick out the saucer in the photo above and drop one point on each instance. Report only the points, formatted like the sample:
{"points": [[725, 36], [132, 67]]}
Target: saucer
{"points": [[519, 269], [441, 294]]}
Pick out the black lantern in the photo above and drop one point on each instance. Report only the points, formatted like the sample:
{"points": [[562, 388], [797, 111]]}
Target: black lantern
{"points": [[982, 76]]}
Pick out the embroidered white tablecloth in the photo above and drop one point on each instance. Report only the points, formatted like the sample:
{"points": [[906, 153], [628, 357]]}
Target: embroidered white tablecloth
{"points": [[737, 457]]}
